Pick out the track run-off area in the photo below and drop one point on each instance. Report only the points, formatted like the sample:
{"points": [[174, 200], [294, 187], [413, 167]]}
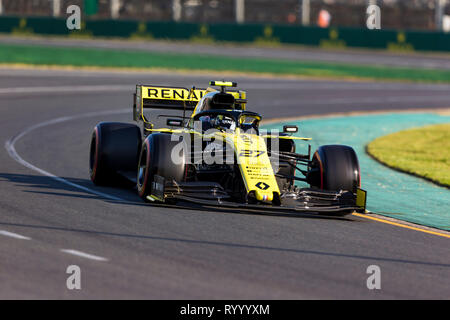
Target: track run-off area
{"points": [[392, 193], [52, 216]]}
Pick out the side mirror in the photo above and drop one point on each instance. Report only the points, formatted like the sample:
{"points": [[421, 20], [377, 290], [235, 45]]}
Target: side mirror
{"points": [[290, 129], [174, 122]]}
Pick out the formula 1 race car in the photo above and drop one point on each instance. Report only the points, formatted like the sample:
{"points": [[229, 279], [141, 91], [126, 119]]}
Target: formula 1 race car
{"points": [[218, 155]]}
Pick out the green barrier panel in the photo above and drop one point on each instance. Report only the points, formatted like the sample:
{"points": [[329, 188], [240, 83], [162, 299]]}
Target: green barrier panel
{"points": [[235, 32], [42, 25], [33, 25], [428, 40], [111, 28], [334, 37], [171, 30], [376, 39], [135, 29], [300, 35], [7, 24]]}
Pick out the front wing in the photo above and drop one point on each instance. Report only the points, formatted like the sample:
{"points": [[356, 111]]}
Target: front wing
{"points": [[304, 200]]}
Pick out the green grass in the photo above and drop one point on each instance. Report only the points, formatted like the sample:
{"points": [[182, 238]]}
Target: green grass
{"points": [[84, 57], [424, 152]]}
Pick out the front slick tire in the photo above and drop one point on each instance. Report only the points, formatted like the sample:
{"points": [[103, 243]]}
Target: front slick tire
{"points": [[335, 168], [156, 159]]}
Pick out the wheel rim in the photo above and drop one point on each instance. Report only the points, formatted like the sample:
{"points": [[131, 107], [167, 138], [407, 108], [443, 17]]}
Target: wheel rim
{"points": [[93, 157], [142, 168]]}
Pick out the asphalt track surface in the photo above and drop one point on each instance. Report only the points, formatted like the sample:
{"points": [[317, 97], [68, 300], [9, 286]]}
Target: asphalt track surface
{"points": [[128, 249], [427, 60]]}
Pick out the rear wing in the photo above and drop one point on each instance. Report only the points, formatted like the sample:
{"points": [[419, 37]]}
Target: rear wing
{"points": [[173, 98]]}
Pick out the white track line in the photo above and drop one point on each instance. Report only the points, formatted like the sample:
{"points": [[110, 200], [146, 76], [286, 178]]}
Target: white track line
{"points": [[9, 145], [83, 255], [66, 89], [13, 235]]}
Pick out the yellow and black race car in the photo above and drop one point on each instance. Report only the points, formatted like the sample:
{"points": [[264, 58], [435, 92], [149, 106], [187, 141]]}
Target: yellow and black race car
{"points": [[218, 155]]}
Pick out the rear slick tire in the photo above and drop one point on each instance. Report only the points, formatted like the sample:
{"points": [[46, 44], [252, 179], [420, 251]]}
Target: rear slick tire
{"points": [[115, 148]]}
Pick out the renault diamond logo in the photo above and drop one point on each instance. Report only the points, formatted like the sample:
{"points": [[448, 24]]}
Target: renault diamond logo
{"points": [[262, 185]]}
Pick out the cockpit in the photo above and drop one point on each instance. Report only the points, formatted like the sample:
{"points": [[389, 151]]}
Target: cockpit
{"points": [[220, 110], [217, 121]]}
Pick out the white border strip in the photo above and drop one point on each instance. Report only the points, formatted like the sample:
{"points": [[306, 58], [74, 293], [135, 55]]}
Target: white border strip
{"points": [[65, 89], [83, 255], [13, 235]]}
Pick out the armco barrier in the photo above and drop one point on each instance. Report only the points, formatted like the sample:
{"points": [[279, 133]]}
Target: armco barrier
{"points": [[334, 37]]}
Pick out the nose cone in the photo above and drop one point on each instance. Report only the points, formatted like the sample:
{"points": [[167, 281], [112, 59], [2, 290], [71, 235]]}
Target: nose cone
{"points": [[264, 196]]}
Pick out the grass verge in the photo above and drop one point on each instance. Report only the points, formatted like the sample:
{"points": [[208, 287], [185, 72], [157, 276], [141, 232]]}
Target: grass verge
{"points": [[109, 58], [424, 152]]}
